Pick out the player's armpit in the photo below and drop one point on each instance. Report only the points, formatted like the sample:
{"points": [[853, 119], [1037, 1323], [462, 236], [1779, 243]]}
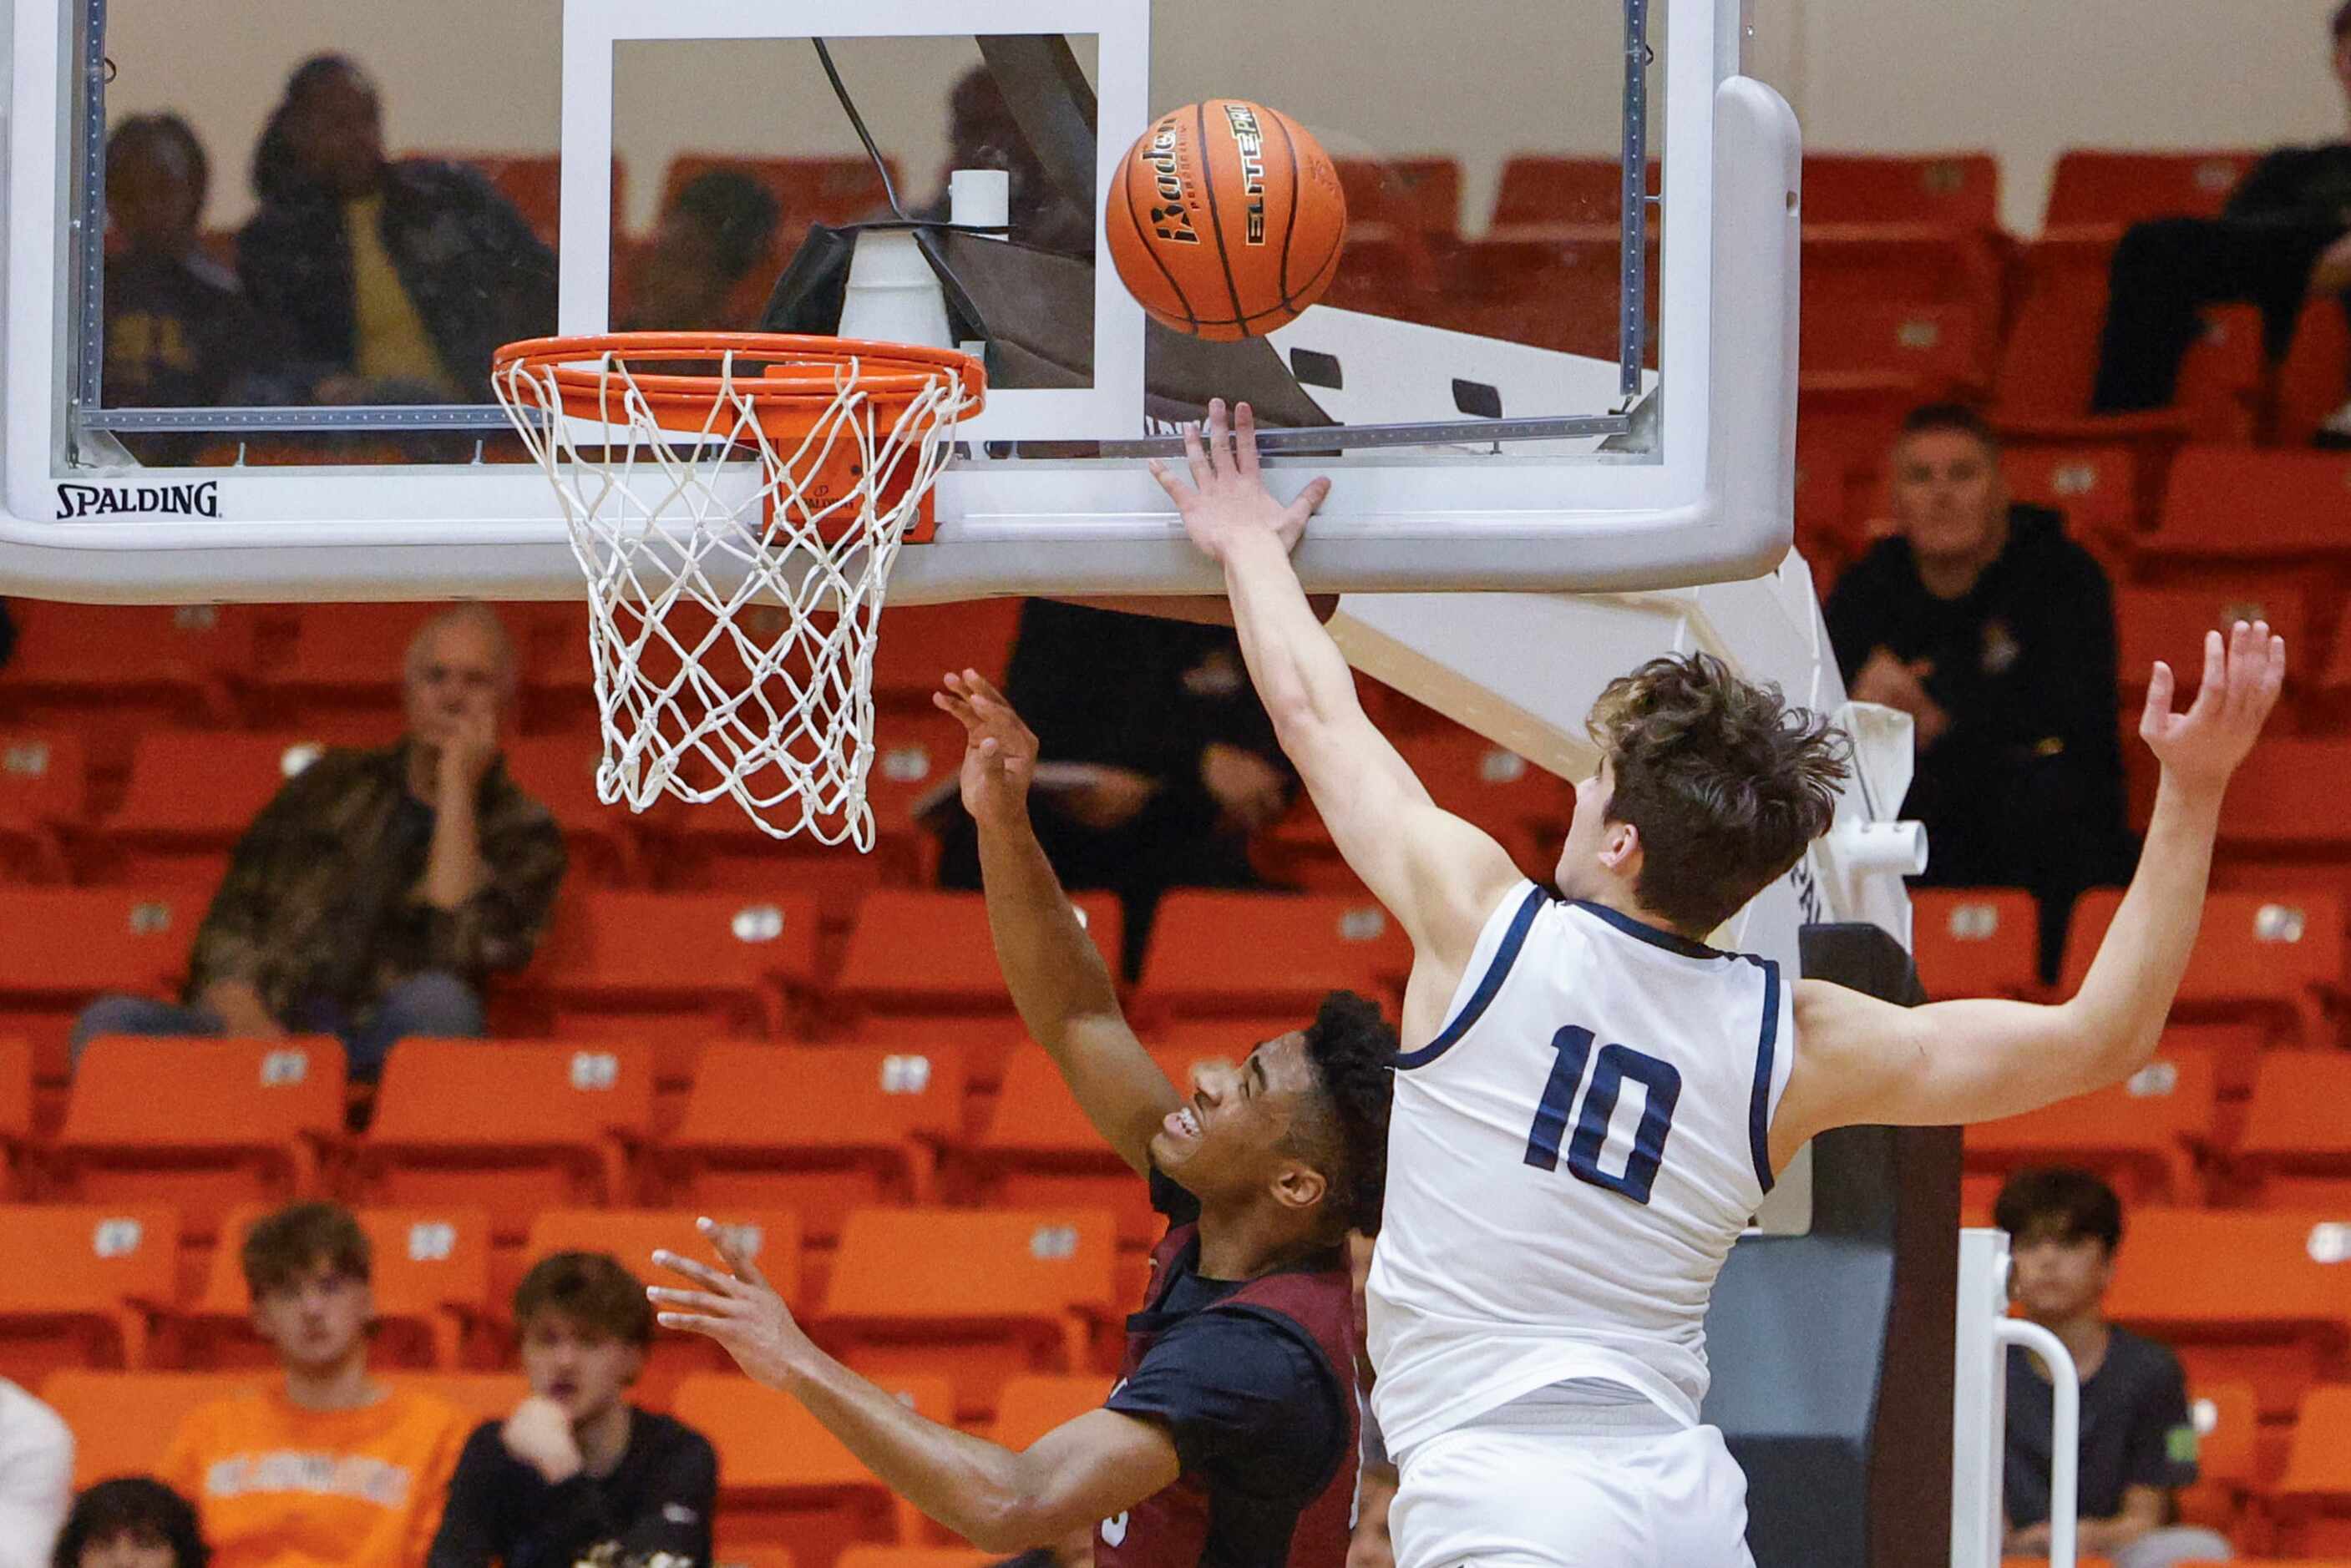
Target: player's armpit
{"points": [[1863, 1061], [1093, 1467]]}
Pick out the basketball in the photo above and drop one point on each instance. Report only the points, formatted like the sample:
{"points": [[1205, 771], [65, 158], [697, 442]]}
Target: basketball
{"points": [[1226, 219]]}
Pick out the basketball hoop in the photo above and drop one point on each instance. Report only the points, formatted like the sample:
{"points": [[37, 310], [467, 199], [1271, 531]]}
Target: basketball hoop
{"points": [[732, 607]]}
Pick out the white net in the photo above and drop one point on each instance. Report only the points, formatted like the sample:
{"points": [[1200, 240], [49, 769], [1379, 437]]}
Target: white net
{"points": [[733, 607]]}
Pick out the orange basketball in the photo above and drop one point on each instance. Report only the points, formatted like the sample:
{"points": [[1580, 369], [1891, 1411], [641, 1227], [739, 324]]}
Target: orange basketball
{"points": [[1226, 219]]}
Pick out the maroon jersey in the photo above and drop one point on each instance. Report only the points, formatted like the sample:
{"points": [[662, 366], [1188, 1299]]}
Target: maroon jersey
{"points": [[1254, 1380]]}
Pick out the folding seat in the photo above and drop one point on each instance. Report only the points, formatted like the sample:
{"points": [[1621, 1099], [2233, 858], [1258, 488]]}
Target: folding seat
{"points": [[191, 797], [818, 1129], [15, 1114], [1867, 264], [1540, 192], [1028, 1407], [2312, 382], [1956, 191], [983, 1042], [203, 1124], [2262, 1298], [2143, 1135], [784, 1480], [476, 1397], [66, 945], [2227, 1422], [2118, 189], [122, 1422], [137, 665], [810, 190], [509, 1126], [2169, 623], [2294, 1148], [1940, 350], [1522, 805], [340, 673], [1216, 952], [43, 802], [1401, 195], [919, 643], [606, 843], [2256, 955], [85, 1284], [931, 952], [2096, 487], [1974, 942], [2286, 800], [975, 1297], [2313, 1499], [429, 1280], [2224, 504], [664, 965], [534, 183]]}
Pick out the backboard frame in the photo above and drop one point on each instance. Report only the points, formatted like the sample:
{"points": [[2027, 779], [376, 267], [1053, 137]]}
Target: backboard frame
{"points": [[1712, 501]]}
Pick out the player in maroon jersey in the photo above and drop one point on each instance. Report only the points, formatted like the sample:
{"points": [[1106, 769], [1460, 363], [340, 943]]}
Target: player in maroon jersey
{"points": [[1230, 1438]]}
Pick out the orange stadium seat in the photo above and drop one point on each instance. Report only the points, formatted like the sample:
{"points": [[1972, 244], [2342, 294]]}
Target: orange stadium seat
{"points": [[1258, 952], [203, 1125], [984, 1041], [2310, 384], [818, 1129], [43, 802], [1545, 192], [605, 842], [1938, 350], [2294, 1148], [2096, 487], [1525, 807], [2313, 1499], [919, 643], [2169, 623], [476, 1397], [509, 1126], [977, 1297], [123, 1421], [1028, 1407], [340, 671], [783, 1479], [1974, 942], [2227, 1422], [810, 191], [84, 1285], [2142, 1136], [534, 183], [1958, 191], [186, 663], [2259, 1298], [1401, 195], [191, 797], [930, 952], [2116, 188], [2297, 495], [2257, 954], [662, 964], [2286, 800], [66, 945], [430, 1282]]}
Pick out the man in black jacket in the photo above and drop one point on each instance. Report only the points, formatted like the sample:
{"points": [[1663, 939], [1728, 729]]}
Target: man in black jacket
{"points": [[1996, 634], [397, 280], [577, 1468], [2285, 237]]}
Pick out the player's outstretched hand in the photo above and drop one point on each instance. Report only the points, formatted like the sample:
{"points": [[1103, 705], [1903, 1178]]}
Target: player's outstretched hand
{"points": [[738, 1309], [999, 754], [1227, 498], [2200, 748]]}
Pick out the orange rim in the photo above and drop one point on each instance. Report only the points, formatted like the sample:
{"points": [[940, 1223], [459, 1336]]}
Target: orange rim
{"points": [[791, 371]]}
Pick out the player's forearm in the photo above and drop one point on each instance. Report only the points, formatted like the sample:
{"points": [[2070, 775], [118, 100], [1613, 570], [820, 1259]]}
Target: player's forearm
{"points": [[1300, 676], [2127, 994], [1052, 969]]}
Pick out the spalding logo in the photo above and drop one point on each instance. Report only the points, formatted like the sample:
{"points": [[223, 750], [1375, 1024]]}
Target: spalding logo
{"points": [[198, 500], [1169, 220]]}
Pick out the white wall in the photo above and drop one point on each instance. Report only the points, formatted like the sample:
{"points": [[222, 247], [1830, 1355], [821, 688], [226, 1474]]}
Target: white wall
{"points": [[1405, 76]]}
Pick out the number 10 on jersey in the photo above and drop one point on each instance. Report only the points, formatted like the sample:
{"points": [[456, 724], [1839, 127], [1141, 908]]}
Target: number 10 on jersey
{"points": [[1617, 1064]]}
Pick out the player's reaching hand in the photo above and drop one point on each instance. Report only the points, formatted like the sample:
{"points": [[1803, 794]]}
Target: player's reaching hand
{"points": [[999, 756], [739, 1309], [2200, 748], [1227, 498]]}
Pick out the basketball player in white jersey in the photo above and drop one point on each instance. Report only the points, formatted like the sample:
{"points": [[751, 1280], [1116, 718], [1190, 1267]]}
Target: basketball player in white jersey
{"points": [[1590, 1102]]}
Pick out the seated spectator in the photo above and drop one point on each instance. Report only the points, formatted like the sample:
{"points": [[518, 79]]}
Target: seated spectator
{"points": [[577, 1470], [179, 330], [1996, 634], [982, 134], [397, 280], [7, 634], [2284, 237], [1158, 760], [376, 893], [35, 1477], [131, 1522], [714, 232], [2138, 1446], [329, 1465]]}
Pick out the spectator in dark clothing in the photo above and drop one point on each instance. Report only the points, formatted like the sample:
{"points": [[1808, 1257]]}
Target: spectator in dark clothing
{"points": [[179, 331], [983, 134], [131, 1522], [2285, 237], [1996, 634], [577, 1469], [714, 232], [380, 888], [397, 280], [7, 634], [1160, 761], [2138, 1443]]}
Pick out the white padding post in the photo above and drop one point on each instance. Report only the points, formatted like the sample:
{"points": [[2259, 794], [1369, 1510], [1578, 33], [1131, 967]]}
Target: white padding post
{"points": [[894, 296]]}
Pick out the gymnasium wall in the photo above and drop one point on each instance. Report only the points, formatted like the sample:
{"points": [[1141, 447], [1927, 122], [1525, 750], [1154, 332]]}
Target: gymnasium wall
{"points": [[1890, 75]]}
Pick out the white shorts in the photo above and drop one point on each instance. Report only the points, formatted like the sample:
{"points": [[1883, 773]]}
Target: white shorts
{"points": [[1500, 1495]]}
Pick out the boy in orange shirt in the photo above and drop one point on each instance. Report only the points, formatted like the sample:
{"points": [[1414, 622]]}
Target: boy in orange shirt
{"points": [[333, 1470]]}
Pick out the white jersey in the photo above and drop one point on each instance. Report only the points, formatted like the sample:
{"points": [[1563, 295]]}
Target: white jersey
{"points": [[1568, 1163]]}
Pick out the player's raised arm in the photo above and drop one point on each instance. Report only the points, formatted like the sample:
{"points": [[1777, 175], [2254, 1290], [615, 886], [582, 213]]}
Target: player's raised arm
{"points": [[1862, 1060], [1440, 875], [1055, 974]]}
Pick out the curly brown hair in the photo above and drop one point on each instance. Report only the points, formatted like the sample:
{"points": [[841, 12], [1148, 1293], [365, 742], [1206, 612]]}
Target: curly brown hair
{"points": [[282, 1247], [1726, 783]]}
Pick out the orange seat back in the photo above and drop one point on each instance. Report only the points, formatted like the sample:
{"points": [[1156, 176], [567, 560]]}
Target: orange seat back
{"points": [[771, 1236], [2250, 946], [1028, 1407], [133, 1093], [2096, 487], [767, 1441], [2095, 186], [847, 1097], [2318, 1465], [916, 1265], [123, 1421], [1258, 952], [1956, 190], [917, 952], [2233, 1272], [1974, 942], [506, 1094], [2300, 497]]}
